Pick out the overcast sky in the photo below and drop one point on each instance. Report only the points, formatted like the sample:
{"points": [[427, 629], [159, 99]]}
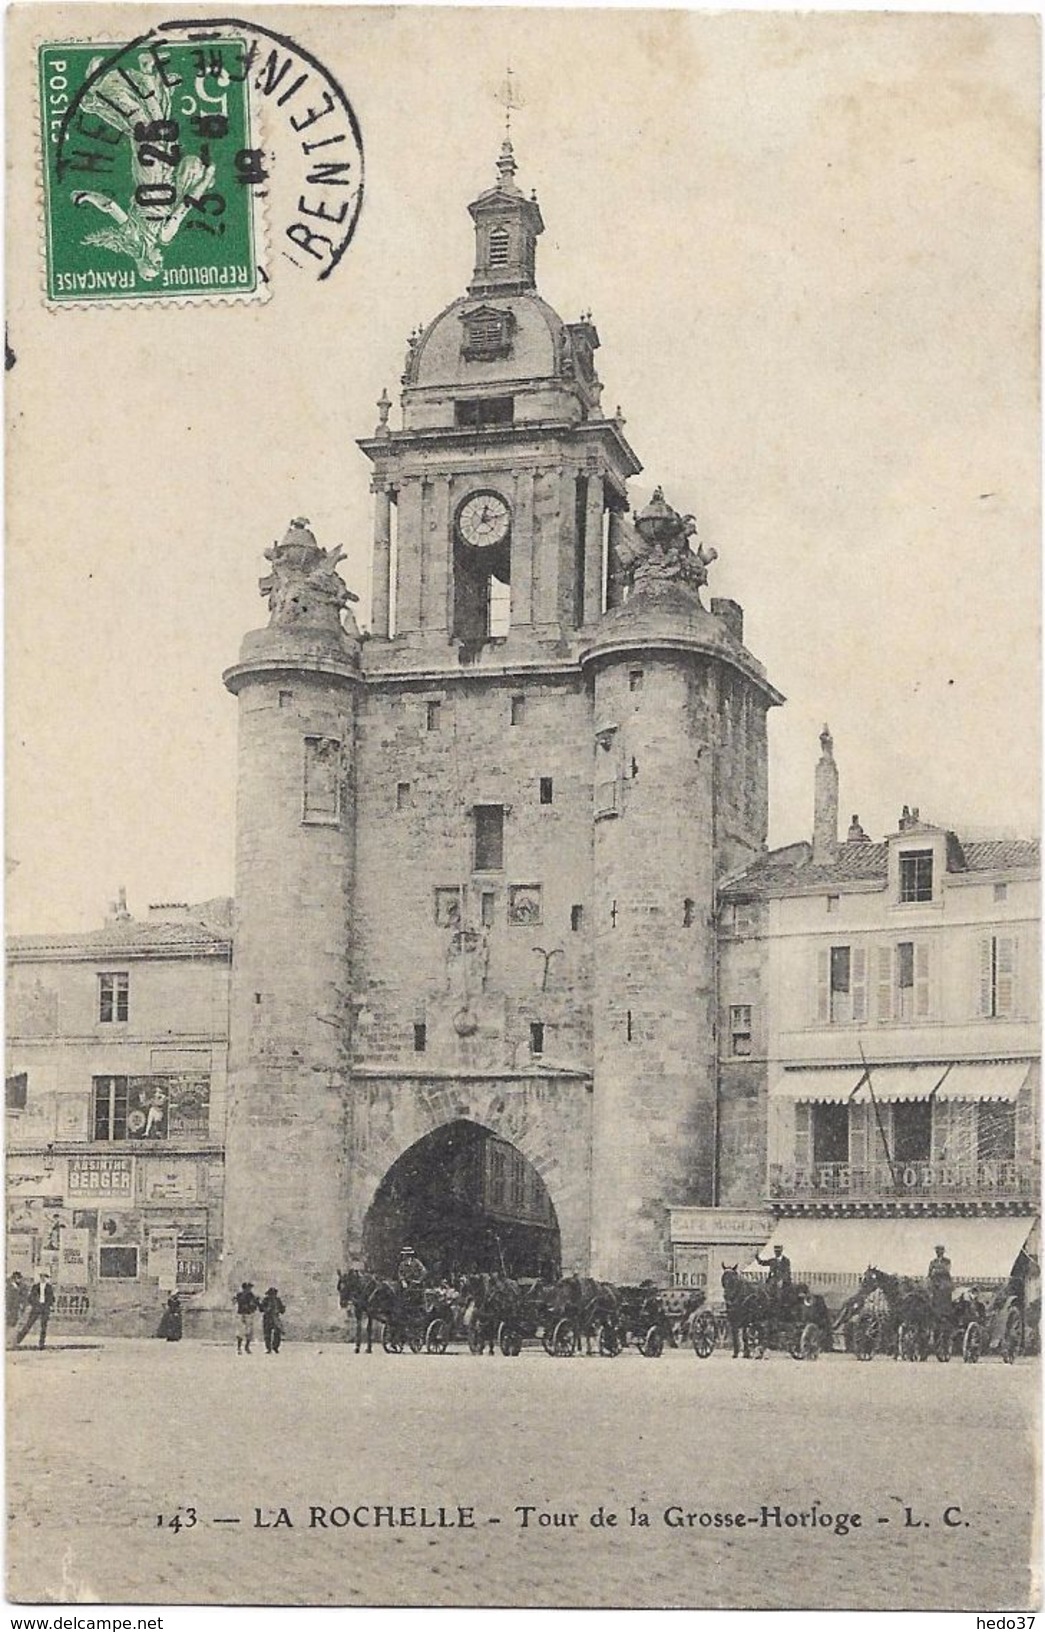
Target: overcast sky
{"points": [[810, 247]]}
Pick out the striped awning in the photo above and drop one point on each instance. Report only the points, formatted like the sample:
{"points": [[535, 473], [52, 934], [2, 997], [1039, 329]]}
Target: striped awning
{"points": [[984, 1079], [979, 1248], [830, 1083]]}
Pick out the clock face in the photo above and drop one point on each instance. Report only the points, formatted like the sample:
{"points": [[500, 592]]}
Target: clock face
{"points": [[484, 519]]}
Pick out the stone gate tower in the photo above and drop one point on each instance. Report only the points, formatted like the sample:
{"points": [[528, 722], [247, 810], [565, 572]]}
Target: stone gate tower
{"points": [[535, 770]]}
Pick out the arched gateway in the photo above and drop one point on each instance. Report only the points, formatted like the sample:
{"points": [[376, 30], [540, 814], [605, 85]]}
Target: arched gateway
{"points": [[466, 1202]]}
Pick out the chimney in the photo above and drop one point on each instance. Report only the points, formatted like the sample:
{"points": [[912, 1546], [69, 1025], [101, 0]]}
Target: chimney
{"points": [[118, 913], [825, 804], [856, 834]]}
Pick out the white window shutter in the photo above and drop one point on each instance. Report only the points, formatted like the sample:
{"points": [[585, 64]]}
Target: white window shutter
{"points": [[984, 980], [885, 983], [858, 982], [803, 1140], [921, 980], [1005, 958], [822, 977]]}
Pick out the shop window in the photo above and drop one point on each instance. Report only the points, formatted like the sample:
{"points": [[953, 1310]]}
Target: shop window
{"points": [[912, 1131], [109, 1120], [536, 1037], [489, 838], [322, 803], [996, 1131], [114, 993], [740, 1029], [916, 875], [118, 1263], [546, 790], [830, 1131]]}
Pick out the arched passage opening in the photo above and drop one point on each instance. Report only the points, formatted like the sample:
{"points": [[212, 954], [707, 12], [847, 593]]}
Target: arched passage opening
{"points": [[466, 1201]]}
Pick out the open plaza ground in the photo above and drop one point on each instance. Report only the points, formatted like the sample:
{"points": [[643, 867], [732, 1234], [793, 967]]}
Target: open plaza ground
{"points": [[458, 1479]]}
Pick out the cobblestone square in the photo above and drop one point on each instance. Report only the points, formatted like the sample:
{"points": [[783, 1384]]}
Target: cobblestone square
{"points": [[938, 1463]]}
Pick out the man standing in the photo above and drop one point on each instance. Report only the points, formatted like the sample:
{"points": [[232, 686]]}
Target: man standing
{"points": [[941, 1287], [15, 1300], [247, 1307], [272, 1311], [778, 1281], [39, 1306]]}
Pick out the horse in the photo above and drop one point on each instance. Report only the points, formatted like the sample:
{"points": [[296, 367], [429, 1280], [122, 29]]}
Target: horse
{"points": [[749, 1311], [908, 1319], [370, 1297], [588, 1308]]}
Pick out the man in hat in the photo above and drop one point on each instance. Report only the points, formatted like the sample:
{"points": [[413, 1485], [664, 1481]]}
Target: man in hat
{"points": [[247, 1307], [38, 1307], [941, 1287], [778, 1281], [410, 1270]]}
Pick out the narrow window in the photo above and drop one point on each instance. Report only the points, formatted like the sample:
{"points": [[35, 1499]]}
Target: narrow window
{"points": [[110, 1108], [832, 903], [740, 1028], [841, 1004], [576, 917], [403, 796], [689, 909], [489, 838], [905, 980], [536, 1037], [1001, 892], [432, 716], [487, 905], [830, 1135], [546, 790], [613, 914], [285, 699], [420, 1037], [113, 998], [518, 710], [629, 1025], [916, 876], [634, 770], [322, 801], [16, 1091], [635, 679]]}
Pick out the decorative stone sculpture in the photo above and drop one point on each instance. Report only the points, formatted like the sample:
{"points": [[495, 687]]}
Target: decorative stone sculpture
{"points": [[668, 550], [303, 586]]}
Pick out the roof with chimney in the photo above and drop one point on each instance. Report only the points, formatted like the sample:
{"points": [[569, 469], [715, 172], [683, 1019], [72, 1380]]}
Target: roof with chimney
{"points": [[864, 864], [172, 929]]}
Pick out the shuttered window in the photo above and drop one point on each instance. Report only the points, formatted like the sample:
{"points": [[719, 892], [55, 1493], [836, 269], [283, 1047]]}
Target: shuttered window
{"points": [[841, 985], [902, 979], [996, 976]]}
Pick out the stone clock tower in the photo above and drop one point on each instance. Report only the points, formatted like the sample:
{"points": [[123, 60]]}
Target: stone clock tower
{"points": [[473, 984]]}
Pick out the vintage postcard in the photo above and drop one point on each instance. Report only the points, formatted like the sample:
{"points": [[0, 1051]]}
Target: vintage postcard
{"points": [[523, 1043]]}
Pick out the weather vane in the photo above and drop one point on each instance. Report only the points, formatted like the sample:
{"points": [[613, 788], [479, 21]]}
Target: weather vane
{"points": [[511, 99]]}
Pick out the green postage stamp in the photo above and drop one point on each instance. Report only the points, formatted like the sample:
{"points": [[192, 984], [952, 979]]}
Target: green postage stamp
{"points": [[149, 171]]}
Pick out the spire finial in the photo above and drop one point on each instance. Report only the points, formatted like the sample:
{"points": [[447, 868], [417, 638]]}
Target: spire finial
{"points": [[506, 163]]}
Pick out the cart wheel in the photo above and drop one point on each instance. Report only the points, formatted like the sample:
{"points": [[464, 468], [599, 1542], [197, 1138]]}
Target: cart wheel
{"points": [[943, 1344], [609, 1342], [564, 1341], [437, 1336], [475, 1338], [908, 1342], [810, 1342], [703, 1332], [548, 1339], [652, 1344], [1012, 1341], [391, 1342], [416, 1340], [508, 1339], [972, 1343]]}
